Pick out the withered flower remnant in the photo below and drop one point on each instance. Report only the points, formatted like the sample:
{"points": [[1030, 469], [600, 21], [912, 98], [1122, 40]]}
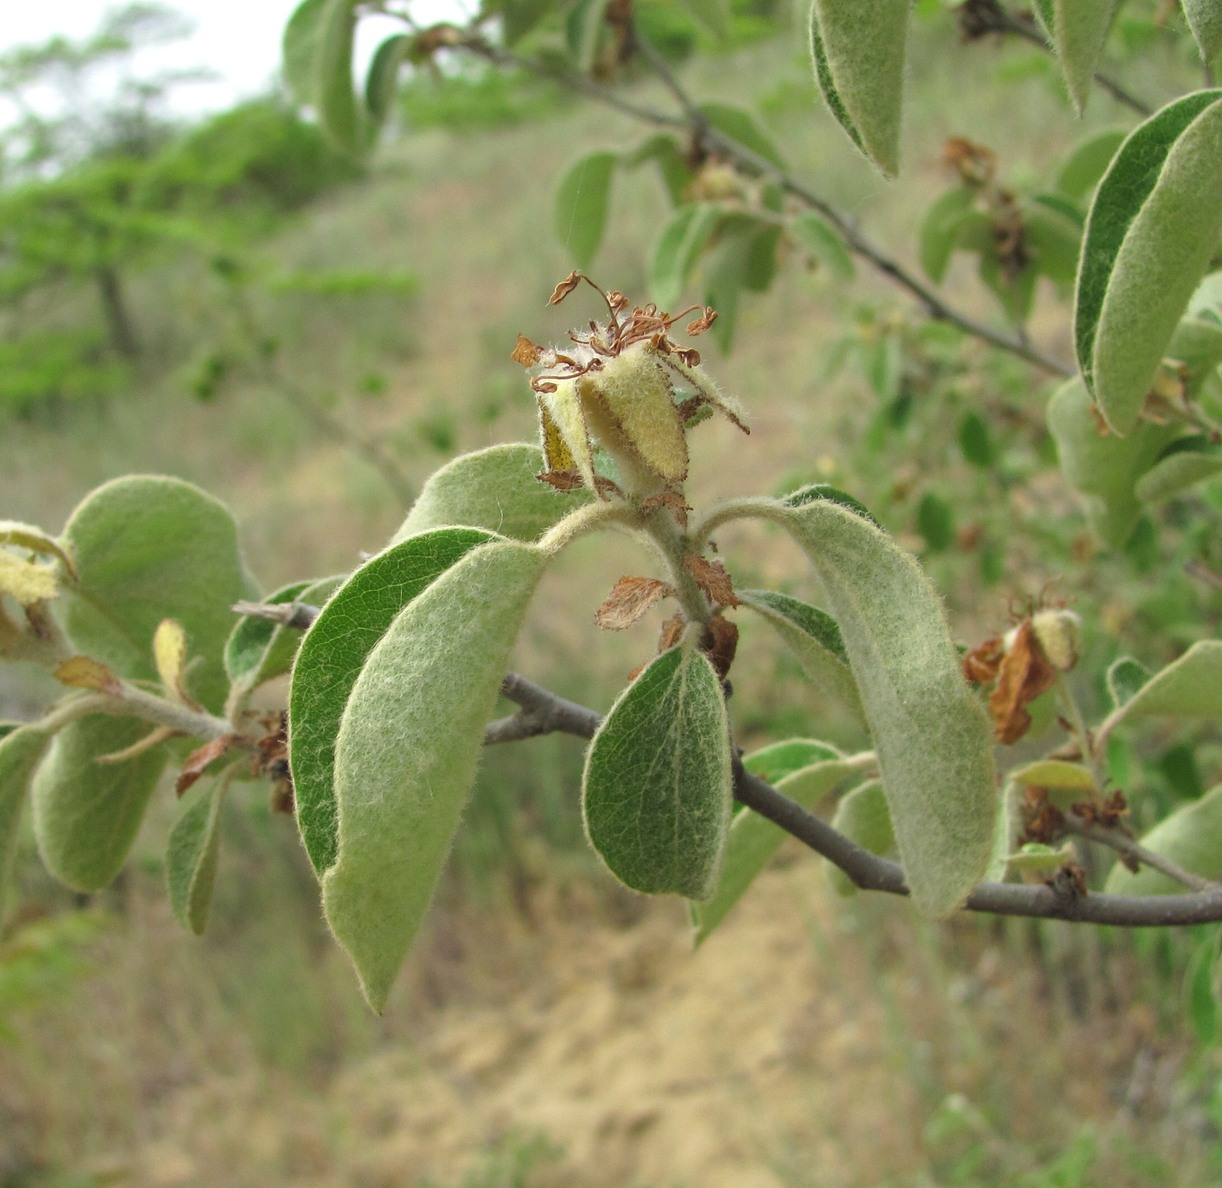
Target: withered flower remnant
{"points": [[624, 385]]}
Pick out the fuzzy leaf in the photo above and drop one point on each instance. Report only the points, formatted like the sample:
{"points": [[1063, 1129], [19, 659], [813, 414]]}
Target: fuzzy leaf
{"points": [[754, 840], [682, 239], [858, 55], [1125, 677], [1176, 473], [932, 736], [1205, 20], [339, 112], [1103, 467], [86, 813], [494, 489], [815, 492], [1196, 348], [1079, 31], [1190, 837], [814, 639], [149, 548], [1153, 226], [582, 199], [656, 790], [331, 657], [864, 817], [191, 854], [824, 244], [20, 752], [779, 759], [407, 748], [1190, 687]]}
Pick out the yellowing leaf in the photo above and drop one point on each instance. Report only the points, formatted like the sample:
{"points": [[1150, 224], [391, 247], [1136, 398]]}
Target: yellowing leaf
{"points": [[83, 672], [170, 656]]}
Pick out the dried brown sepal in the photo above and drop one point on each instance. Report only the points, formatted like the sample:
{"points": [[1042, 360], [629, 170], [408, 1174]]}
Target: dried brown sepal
{"points": [[562, 480], [526, 352], [629, 599], [672, 632], [712, 578], [1043, 821], [689, 355], [564, 288], [980, 665], [84, 672], [1108, 811], [1069, 882], [198, 761], [974, 163], [720, 643], [669, 498], [605, 488], [1024, 674]]}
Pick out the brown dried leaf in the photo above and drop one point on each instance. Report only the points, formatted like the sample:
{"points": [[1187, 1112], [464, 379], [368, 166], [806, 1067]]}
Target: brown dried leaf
{"points": [[84, 672], [629, 599], [525, 352], [712, 578], [1024, 674], [564, 288], [720, 643], [199, 759], [980, 665], [672, 632], [562, 480]]}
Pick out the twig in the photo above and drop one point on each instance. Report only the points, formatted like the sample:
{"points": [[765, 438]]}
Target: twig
{"points": [[1130, 848]]}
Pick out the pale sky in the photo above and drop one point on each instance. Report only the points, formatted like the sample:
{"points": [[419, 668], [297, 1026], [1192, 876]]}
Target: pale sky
{"points": [[238, 39]]}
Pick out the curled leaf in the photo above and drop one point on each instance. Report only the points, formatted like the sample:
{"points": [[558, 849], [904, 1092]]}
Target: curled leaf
{"points": [[629, 599]]}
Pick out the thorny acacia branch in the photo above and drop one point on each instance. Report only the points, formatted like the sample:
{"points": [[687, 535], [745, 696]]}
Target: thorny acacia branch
{"points": [[712, 139]]}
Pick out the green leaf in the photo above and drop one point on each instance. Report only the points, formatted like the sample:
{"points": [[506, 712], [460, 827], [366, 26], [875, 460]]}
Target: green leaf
{"points": [[191, 853], [936, 522], [520, 17], [740, 126], [151, 548], [753, 840], [583, 31], [332, 654], [86, 813], [1152, 229], [976, 441], [1177, 472], [825, 245], [382, 81], [582, 200], [1125, 677], [340, 114], [20, 752], [1190, 687], [779, 759], [858, 55], [1196, 349], [1103, 468], [302, 36], [714, 15], [494, 489], [663, 149], [864, 817], [1054, 238], [684, 236], [1190, 837], [656, 792], [1079, 31], [1205, 20], [407, 749], [933, 739], [1054, 773], [1087, 162], [259, 650], [816, 492], [940, 230], [1014, 290], [814, 639]]}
